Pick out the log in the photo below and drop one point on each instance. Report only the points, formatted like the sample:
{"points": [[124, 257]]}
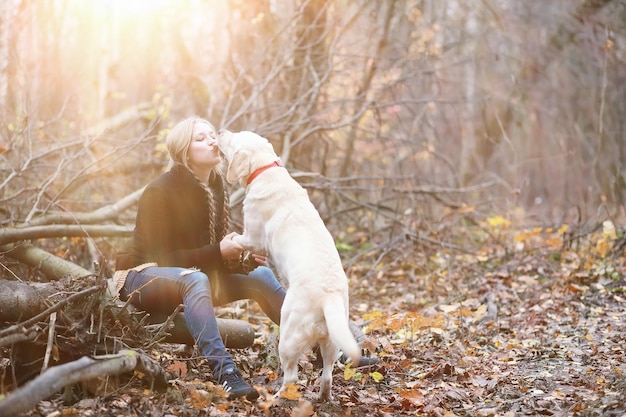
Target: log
{"points": [[57, 377], [52, 266], [236, 334], [20, 301]]}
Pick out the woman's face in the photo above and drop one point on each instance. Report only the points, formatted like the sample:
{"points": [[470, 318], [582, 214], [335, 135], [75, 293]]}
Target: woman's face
{"points": [[203, 153]]}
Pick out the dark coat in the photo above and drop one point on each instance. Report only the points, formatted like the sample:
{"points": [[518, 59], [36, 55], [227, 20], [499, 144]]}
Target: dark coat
{"points": [[172, 225]]}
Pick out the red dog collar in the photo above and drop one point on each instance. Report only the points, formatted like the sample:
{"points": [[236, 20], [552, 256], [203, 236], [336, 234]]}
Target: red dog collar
{"points": [[258, 171]]}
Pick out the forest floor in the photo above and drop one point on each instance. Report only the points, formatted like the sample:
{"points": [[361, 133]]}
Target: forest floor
{"points": [[531, 323]]}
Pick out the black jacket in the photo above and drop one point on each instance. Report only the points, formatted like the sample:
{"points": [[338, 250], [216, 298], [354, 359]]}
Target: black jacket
{"points": [[172, 225]]}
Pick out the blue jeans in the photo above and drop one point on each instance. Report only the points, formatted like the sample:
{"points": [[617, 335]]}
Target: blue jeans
{"points": [[162, 289]]}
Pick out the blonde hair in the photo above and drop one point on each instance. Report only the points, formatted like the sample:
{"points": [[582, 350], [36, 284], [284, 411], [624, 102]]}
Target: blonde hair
{"points": [[179, 139], [177, 143]]}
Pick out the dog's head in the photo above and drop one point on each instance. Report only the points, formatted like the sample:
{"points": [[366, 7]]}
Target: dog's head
{"points": [[244, 152]]}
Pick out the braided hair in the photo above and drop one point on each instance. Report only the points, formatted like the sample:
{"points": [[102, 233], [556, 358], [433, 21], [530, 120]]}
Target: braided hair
{"points": [[177, 142], [217, 196]]}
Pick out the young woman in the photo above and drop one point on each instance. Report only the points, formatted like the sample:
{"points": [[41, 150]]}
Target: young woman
{"points": [[180, 252]]}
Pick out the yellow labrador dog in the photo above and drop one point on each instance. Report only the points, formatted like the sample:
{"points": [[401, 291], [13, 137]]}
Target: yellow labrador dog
{"points": [[280, 220]]}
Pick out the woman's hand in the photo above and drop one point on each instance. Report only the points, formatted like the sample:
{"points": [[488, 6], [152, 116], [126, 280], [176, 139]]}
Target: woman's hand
{"points": [[260, 259], [229, 248]]}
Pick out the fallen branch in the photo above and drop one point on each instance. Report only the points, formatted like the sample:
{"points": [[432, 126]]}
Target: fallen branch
{"points": [[21, 334], [16, 234], [68, 224], [106, 213], [55, 378], [52, 266]]}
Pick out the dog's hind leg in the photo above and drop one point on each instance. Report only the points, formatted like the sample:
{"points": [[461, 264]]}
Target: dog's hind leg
{"points": [[329, 354], [290, 350]]}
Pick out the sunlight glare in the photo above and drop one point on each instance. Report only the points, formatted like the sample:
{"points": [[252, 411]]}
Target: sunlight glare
{"points": [[132, 8]]}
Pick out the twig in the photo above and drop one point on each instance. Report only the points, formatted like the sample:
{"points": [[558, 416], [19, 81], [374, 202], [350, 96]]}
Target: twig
{"points": [[432, 189], [164, 327], [420, 237], [51, 329], [24, 336], [130, 296]]}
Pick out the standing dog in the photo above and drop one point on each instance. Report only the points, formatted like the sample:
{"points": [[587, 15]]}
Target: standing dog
{"points": [[280, 220]]}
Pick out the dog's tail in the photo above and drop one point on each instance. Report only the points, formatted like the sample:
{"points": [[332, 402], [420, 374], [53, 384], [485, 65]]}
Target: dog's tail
{"points": [[339, 329]]}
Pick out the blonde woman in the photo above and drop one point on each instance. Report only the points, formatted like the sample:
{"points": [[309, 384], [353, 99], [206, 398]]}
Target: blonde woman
{"points": [[180, 252]]}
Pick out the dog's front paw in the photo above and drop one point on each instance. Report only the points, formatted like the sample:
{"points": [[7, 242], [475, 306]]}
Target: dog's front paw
{"points": [[241, 240]]}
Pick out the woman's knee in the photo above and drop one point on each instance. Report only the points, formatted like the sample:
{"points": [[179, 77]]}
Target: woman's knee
{"points": [[266, 282], [264, 274], [197, 280]]}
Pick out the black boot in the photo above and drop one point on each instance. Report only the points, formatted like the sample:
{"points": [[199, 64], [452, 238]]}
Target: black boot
{"points": [[364, 361]]}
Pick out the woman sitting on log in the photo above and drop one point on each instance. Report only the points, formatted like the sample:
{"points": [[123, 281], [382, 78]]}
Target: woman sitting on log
{"points": [[180, 252]]}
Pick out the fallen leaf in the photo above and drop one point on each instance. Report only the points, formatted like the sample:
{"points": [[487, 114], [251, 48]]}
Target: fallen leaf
{"points": [[304, 409], [178, 367], [291, 392], [199, 398], [376, 376], [498, 221]]}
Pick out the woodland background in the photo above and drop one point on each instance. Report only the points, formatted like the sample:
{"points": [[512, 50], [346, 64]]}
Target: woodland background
{"points": [[440, 141]]}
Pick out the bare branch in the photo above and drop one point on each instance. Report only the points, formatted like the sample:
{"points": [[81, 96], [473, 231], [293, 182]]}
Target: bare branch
{"points": [[10, 235], [103, 214]]}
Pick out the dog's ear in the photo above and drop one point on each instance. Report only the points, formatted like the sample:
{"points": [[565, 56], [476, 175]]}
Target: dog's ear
{"points": [[238, 166]]}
